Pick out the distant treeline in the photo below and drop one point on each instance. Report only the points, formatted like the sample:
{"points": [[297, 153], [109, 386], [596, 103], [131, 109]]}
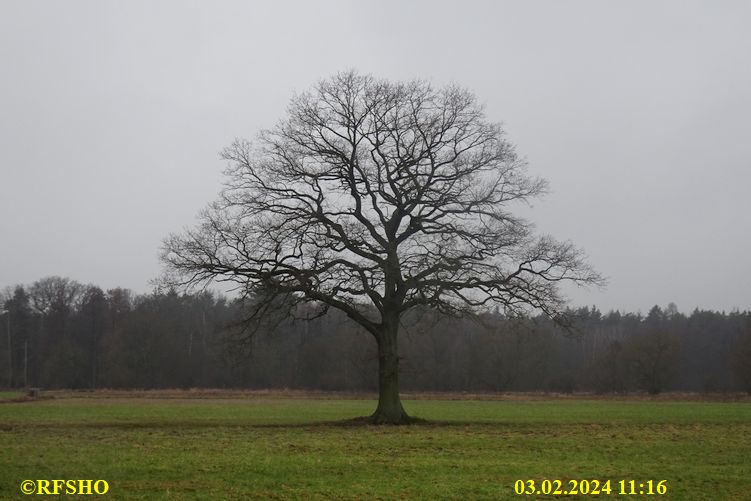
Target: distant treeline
{"points": [[58, 333]]}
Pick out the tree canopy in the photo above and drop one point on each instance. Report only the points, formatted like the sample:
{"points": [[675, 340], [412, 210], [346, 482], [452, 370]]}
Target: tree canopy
{"points": [[374, 197]]}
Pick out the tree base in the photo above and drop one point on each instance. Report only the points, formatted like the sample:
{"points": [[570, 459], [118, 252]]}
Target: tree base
{"points": [[378, 421], [390, 416]]}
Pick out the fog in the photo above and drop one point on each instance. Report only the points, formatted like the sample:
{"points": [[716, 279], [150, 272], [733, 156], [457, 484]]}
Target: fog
{"points": [[113, 115]]}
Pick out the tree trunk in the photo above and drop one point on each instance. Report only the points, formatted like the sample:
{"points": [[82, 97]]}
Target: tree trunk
{"points": [[389, 410]]}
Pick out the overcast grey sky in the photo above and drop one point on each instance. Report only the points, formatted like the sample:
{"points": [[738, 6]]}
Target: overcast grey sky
{"points": [[112, 115]]}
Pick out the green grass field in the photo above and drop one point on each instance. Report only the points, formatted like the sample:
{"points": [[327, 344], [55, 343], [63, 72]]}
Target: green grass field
{"points": [[267, 447]]}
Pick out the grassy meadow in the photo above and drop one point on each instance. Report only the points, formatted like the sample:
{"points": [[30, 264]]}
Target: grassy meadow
{"points": [[251, 446]]}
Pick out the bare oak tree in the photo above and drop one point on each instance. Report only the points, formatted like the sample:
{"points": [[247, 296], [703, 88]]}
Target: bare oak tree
{"points": [[375, 197]]}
